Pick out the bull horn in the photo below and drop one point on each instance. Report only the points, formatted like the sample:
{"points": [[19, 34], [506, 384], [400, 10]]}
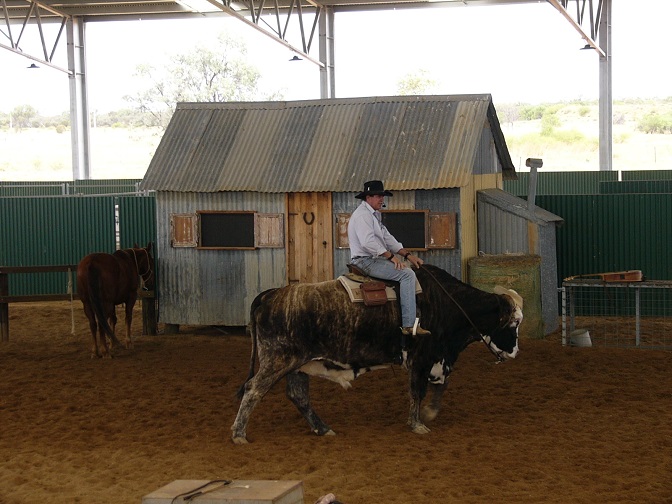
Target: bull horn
{"points": [[517, 298]]}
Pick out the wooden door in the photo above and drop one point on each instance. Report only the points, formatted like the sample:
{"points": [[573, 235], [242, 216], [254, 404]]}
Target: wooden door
{"points": [[310, 248]]}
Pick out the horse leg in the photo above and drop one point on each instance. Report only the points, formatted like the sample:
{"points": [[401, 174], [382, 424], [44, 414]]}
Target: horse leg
{"points": [[104, 345], [93, 327], [297, 390], [254, 390], [129, 319], [112, 319]]}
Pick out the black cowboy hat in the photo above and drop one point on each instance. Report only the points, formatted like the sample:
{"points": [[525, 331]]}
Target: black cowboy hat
{"points": [[373, 187]]}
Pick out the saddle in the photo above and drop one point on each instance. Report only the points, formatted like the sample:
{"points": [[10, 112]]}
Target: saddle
{"points": [[369, 290]]}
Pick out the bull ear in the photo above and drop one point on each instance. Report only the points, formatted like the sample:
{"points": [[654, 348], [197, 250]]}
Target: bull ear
{"points": [[517, 298]]}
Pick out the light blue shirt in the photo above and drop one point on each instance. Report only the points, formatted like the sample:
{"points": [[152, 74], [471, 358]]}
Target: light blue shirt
{"points": [[367, 235]]}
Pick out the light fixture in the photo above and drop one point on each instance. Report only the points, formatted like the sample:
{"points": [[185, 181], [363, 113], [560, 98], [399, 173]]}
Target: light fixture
{"points": [[33, 65], [587, 46], [295, 58]]}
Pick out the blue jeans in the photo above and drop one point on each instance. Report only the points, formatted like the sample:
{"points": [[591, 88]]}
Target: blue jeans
{"points": [[380, 267]]}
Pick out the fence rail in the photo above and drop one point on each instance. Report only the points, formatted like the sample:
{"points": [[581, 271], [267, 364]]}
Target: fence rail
{"points": [[149, 321], [619, 314]]}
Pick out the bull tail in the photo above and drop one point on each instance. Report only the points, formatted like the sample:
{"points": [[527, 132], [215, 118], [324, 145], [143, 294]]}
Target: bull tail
{"points": [[252, 330], [95, 288]]}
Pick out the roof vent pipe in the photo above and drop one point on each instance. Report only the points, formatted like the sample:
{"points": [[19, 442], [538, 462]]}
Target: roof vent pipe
{"points": [[532, 164]]}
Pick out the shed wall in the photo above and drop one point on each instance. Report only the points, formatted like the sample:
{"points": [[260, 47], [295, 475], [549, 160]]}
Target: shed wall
{"points": [[501, 232], [214, 287]]}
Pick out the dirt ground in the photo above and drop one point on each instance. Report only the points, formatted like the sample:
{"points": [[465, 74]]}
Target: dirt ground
{"points": [[556, 425]]}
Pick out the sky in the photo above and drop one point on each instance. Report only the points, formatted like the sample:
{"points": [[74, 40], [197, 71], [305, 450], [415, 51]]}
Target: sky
{"points": [[517, 53]]}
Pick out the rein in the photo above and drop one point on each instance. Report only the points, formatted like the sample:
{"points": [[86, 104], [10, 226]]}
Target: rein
{"points": [[487, 342], [137, 267]]}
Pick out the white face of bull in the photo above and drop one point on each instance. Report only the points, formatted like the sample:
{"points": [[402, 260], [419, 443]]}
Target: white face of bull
{"points": [[512, 329]]}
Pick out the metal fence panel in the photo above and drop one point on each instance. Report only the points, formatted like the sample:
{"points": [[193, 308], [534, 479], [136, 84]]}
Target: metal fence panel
{"points": [[41, 231], [613, 232]]}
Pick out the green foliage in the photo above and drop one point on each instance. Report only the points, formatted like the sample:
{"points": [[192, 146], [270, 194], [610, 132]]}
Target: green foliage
{"points": [[621, 138], [558, 139], [568, 136], [416, 84], [549, 121], [655, 123], [24, 116], [584, 110], [218, 73], [125, 118], [532, 112]]}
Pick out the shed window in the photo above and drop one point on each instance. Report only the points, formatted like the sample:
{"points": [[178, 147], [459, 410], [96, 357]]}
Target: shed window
{"points": [[416, 229], [227, 230]]}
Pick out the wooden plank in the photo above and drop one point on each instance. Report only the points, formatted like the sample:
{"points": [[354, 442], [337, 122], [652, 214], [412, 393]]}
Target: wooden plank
{"points": [[36, 298], [38, 269]]}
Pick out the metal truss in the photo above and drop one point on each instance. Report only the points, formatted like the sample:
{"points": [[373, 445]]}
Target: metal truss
{"points": [[275, 20], [585, 16], [35, 14]]}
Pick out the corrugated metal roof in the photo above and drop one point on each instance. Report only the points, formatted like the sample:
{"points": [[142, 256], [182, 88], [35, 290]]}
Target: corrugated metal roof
{"points": [[519, 207], [410, 142]]}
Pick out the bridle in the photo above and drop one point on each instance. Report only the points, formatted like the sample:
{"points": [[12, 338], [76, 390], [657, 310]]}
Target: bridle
{"points": [[487, 340], [149, 267]]}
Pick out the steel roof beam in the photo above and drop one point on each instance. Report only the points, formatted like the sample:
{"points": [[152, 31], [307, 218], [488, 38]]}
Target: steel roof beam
{"points": [[578, 20], [34, 15]]}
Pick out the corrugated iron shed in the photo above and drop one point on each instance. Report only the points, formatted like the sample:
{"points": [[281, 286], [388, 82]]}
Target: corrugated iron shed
{"points": [[410, 142]]}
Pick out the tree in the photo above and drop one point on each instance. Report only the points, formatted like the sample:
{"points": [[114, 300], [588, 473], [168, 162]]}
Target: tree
{"points": [[23, 116], [204, 74], [416, 84]]}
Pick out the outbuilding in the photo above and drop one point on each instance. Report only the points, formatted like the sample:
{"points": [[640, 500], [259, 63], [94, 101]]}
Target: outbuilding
{"points": [[256, 195]]}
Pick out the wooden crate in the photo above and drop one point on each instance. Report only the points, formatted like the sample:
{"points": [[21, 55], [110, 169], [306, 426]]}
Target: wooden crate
{"points": [[236, 492]]}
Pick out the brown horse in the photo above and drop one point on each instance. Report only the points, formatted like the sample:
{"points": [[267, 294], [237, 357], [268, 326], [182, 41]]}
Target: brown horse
{"points": [[106, 280]]}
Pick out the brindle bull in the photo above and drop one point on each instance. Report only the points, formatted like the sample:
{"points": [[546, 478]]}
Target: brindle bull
{"points": [[314, 329]]}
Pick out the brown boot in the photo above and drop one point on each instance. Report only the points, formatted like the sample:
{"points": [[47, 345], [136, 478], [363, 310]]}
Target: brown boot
{"points": [[419, 331]]}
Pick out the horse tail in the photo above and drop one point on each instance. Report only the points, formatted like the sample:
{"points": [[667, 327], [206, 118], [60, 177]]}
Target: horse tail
{"points": [[252, 330], [95, 288]]}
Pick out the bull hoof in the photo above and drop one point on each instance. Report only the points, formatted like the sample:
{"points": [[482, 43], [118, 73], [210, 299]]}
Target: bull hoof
{"points": [[428, 414], [420, 429], [239, 440]]}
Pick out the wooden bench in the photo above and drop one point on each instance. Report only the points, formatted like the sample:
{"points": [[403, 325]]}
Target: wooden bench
{"points": [[149, 323]]}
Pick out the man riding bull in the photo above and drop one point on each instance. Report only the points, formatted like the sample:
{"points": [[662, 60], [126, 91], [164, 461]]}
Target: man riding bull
{"points": [[374, 251]]}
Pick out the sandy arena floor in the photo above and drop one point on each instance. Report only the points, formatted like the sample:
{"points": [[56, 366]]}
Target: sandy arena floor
{"points": [[556, 425]]}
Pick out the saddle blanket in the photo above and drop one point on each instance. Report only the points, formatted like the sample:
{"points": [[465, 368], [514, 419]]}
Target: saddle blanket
{"points": [[355, 292]]}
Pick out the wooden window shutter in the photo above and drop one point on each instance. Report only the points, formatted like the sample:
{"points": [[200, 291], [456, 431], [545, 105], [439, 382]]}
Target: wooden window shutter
{"points": [[342, 220], [183, 230], [442, 230], [269, 230]]}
